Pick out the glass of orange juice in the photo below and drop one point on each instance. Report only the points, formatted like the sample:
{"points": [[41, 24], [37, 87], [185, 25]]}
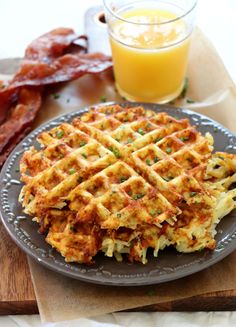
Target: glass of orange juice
{"points": [[150, 43]]}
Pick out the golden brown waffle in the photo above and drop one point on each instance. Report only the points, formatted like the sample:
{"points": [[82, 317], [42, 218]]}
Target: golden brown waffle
{"points": [[120, 180]]}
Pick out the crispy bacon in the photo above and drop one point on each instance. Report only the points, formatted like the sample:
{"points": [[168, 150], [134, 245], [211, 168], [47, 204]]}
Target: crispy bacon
{"points": [[63, 69], [50, 45], [57, 56], [18, 123]]}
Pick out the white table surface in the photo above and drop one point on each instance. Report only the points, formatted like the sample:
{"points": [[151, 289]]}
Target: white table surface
{"points": [[23, 20]]}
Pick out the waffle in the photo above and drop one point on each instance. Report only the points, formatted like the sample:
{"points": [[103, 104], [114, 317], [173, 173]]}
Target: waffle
{"points": [[125, 180]]}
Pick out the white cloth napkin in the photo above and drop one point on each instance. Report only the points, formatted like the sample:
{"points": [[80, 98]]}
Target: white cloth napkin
{"points": [[157, 319]]}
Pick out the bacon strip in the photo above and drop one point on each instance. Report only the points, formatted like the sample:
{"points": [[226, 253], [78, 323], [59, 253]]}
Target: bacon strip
{"points": [[63, 69], [52, 58], [50, 45]]}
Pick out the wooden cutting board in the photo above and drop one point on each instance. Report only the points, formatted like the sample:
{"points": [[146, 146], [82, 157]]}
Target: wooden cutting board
{"points": [[16, 290], [17, 293]]}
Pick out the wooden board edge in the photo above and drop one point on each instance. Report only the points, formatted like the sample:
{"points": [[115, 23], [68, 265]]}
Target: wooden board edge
{"points": [[18, 307]]}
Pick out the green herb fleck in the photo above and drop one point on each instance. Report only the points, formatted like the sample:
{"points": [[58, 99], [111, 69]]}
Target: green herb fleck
{"points": [[184, 138], [158, 139], [72, 171], [159, 211], [84, 155], [118, 215], [156, 159], [129, 193], [117, 139], [168, 150], [115, 152], [59, 134], [151, 292], [138, 196], [148, 162], [201, 248], [168, 178], [190, 100], [61, 155], [148, 125], [56, 95], [103, 98], [215, 129], [141, 131], [192, 194], [17, 170], [72, 229], [185, 88], [152, 212], [123, 179], [129, 140], [125, 120], [82, 143]]}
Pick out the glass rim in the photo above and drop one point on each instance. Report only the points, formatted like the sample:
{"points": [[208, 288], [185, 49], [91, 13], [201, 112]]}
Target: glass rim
{"points": [[148, 24]]}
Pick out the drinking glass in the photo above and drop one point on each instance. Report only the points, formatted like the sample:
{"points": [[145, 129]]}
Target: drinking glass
{"points": [[150, 43]]}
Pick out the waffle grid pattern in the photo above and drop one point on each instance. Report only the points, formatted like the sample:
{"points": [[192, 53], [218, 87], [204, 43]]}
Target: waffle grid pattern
{"points": [[114, 168]]}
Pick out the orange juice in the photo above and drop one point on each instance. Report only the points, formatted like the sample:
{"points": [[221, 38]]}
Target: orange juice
{"points": [[150, 51]]}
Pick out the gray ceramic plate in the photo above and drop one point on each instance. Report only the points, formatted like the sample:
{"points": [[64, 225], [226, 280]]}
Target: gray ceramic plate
{"points": [[168, 266]]}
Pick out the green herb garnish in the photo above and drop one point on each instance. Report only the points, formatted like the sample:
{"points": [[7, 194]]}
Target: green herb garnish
{"points": [[17, 170], [215, 129], [151, 292], [72, 171], [148, 162], [201, 248], [152, 212], [190, 100], [158, 139], [156, 159], [84, 155], [59, 134], [138, 196], [168, 178], [185, 88], [129, 140], [168, 150], [82, 143], [114, 151], [141, 131], [103, 98], [123, 179], [56, 95], [192, 194], [184, 138], [159, 211], [72, 229]]}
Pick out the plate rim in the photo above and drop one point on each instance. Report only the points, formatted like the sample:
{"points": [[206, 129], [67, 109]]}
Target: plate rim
{"points": [[139, 281]]}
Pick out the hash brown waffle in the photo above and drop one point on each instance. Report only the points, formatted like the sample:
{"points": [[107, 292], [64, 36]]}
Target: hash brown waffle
{"points": [[122, 180]]}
